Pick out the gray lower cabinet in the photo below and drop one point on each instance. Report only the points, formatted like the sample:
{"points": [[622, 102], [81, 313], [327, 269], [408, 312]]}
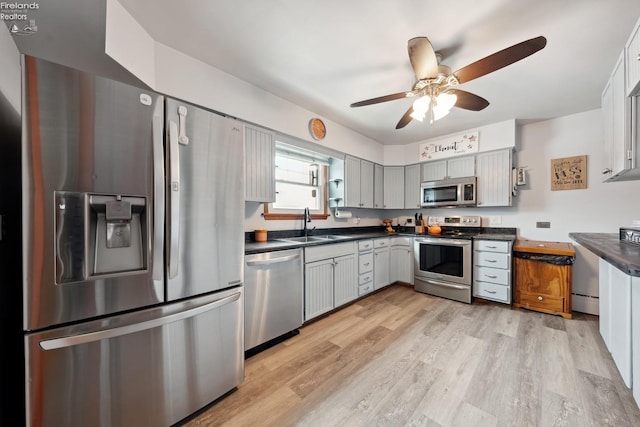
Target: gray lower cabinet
{"points": [[492, 270], [401, 260], [331, 277], [380, 263]]}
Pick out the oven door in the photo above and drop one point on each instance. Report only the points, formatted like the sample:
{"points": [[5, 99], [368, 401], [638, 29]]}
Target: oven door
{"points": [[442, 259]]}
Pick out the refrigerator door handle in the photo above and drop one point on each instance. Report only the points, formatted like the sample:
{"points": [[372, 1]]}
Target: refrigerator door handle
{"points": [[174, 200], [69, 341], [158, 206]]}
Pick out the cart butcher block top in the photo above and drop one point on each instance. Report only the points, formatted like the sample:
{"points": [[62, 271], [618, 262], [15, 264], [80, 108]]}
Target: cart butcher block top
{"points": [[541, 247]]}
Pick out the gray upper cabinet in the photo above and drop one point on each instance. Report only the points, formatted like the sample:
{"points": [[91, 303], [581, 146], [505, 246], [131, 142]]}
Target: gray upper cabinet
{"points": [[393, 187], [260, 157], [378, 186], [493, 170], [632, 56], [452, 168], [358, 185], [412, 186], [366, 184]]}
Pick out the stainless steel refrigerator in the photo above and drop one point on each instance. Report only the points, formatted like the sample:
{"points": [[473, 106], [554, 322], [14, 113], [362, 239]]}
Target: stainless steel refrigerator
{"points": [[130, 223]]}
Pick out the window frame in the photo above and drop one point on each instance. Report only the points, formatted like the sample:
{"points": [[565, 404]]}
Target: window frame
{"points": [[295, 216]]}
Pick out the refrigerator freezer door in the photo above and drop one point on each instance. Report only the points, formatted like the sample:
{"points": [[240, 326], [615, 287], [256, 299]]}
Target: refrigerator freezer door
{"points": [[148, 368], [205, 199], [86, 139]]}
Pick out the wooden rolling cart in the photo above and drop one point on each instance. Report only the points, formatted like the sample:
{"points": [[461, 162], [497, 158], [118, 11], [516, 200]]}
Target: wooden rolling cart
{"points": [[542, 277]]}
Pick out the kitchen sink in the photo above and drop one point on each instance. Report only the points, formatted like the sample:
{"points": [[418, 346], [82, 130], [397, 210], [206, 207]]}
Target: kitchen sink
{"points": [[306, 239]]}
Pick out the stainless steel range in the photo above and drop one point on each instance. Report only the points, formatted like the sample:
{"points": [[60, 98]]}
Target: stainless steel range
{"points": [[443, 262]]}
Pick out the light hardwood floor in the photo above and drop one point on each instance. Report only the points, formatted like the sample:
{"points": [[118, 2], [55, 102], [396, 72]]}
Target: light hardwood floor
{"points": [[402, 358]]}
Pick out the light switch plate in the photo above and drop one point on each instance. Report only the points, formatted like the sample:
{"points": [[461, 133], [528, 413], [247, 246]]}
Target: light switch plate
{"points": [[495, 220]]}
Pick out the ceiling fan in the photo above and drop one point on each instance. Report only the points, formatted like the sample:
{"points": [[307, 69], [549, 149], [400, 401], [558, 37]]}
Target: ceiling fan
{"points": [[436, 86]]}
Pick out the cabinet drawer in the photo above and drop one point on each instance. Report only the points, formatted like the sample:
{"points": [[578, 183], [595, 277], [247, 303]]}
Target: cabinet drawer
{"points": [[381, 243], [365, 263], [493, 275], [547, 302], [365, 245], [492, 291], [492, 259], [316, 253], [365, 289], [492, 246], [365, 278]]}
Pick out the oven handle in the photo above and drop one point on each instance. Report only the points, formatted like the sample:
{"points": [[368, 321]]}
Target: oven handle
{"points": [[444, 242], [445, 284]]}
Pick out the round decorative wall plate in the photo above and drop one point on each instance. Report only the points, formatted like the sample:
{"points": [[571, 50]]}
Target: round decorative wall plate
{"points": [[317, 129]]}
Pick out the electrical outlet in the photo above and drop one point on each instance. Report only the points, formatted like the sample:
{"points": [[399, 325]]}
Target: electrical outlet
{"points": [[541, 224], [495, 220]]}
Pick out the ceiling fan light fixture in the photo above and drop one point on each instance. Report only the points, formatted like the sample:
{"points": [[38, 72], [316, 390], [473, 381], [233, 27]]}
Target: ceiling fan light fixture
{"points": [[444, 103], [420, 108]]}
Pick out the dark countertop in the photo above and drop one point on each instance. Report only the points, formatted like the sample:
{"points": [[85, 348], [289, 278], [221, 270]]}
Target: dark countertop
{"points": [[624, 256], [278, 243], [495, 236]]}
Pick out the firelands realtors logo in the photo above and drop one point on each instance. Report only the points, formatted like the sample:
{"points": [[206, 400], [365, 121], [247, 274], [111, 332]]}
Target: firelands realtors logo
{"points": [[17, 15]]}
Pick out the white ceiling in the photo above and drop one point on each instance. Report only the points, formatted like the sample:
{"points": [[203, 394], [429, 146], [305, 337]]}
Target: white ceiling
{"points": [[326, 54]]}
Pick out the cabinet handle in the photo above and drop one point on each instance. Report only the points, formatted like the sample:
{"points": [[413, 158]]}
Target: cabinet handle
{"points": [[492, 247], [366, 263], [490, 276], [490, 292], [539, 298], [606, 171], [638, 57], [492, 260]]}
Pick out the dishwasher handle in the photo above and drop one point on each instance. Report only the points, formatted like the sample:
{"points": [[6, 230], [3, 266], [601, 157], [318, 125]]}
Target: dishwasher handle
{"points": [[271, 261]]}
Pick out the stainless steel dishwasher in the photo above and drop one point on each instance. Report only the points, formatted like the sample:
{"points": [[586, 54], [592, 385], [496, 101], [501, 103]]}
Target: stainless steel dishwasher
{"points": [[273, 295]]}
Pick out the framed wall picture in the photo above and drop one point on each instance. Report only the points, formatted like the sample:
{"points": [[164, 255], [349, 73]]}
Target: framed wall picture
{"points": [[569, 173]]}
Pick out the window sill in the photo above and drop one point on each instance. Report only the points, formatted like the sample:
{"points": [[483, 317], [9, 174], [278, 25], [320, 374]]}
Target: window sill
{"points": [[284, 216]]}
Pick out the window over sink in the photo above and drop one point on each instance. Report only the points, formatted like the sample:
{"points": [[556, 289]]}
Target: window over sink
{"points": [[301, 182]]}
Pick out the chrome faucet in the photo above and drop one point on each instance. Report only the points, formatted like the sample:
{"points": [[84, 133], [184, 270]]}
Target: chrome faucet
{"points": [[307, 218]]}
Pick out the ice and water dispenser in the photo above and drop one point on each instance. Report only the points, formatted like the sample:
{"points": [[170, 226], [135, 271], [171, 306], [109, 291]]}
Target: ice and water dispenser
{"points": [[99, 235]]}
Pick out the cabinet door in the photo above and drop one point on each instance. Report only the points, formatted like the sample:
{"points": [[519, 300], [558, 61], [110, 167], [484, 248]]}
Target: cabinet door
{"points": [[635, 339], [604, 301], [366, 184], [378, 186], [461, 167], [632, 53], [434, 171], [621, 322], [345, 276], [318, 295], [352, 182], [400, 264], [412, 186], [393, 187], [493, 170], [380, 267], [616, 134], [260, 157]]}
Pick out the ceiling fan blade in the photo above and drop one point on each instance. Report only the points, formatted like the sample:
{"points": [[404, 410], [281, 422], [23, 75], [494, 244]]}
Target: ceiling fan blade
{"points": [[405, 119], [468, 100], [423, 58], [500, 59], [385, 98]]}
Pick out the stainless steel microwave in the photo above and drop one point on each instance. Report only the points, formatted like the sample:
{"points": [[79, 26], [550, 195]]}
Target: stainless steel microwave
{"points": [[448, 192]]}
